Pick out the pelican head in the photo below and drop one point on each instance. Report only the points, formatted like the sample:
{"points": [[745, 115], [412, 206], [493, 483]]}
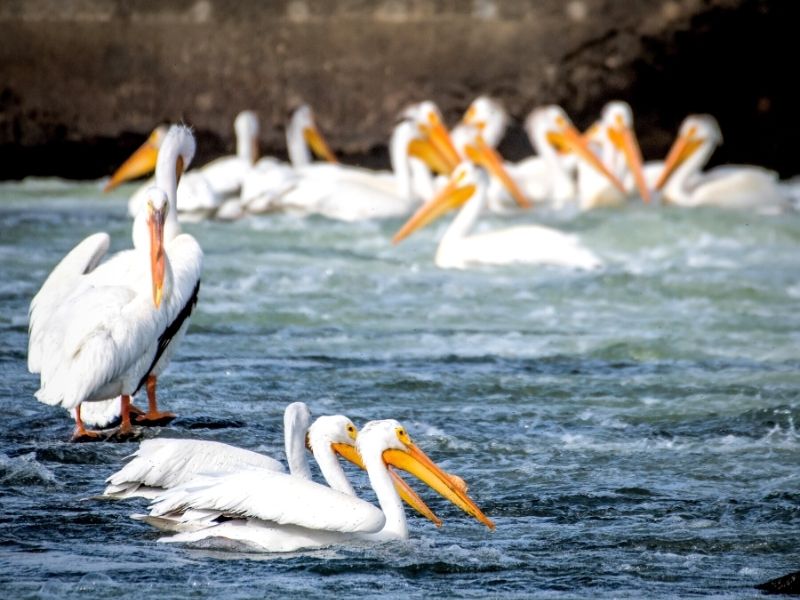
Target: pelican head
{"points": [[339, 434], [489, 117], [617, 120], [157, 210], [550, 128], [176, 154], [464, 183], [246, 128], [141, 162], [389, 442], [696, 132], [442, 156], [302, 123]]}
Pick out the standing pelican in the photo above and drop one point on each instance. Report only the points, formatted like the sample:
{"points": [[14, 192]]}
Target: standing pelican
{"points": [[731, 186], [274, 512], [458, 249], [104, 342], [97, 341]]}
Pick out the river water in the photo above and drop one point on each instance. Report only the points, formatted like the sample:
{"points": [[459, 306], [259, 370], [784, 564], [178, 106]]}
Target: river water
{"points": [[632, 431]]}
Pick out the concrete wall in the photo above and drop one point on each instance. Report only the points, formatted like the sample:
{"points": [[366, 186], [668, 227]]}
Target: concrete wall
{"points": [[82, 80]]}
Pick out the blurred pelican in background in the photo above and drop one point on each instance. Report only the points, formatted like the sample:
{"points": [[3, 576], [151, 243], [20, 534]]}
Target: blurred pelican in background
{"points": [[459, 249], [617, 148], [486, 116], [201, 191], [682, 181]]}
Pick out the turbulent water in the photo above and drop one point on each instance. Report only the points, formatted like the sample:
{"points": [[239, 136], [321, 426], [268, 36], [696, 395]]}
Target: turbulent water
{"points": [[631, 431]]}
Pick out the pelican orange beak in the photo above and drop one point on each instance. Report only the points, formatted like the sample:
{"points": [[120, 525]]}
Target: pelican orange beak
{"points": [[413, 460], [155, 224], [141, 162], [685, 145], [318, 145], [409, 496], [623, 138], [449, 198], [435, 131], [570, 139], [481, 153], [430, 155]]}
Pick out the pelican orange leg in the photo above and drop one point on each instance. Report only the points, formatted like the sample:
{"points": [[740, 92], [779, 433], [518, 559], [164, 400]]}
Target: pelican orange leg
{"points": [[81, 434], [153, 416]]}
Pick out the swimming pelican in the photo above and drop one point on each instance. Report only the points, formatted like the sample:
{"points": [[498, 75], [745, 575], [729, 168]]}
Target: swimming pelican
{"points": [[458, 249], [275, 512], [304, 137], [619, 152], [731, 186], [164, 463], [487, 116], [201, 191], [348, 193]]}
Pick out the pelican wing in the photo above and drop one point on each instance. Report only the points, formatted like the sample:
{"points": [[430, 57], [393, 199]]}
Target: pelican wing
{"points": [[93, 339], [274, 497], [82, 259], [167, 463]]}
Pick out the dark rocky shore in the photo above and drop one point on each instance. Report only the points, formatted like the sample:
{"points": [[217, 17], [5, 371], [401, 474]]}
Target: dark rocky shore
{"points": [[81, 81]]}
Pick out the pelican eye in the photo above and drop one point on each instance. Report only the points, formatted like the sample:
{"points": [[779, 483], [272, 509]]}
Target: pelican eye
{"points": [[352, 431]]}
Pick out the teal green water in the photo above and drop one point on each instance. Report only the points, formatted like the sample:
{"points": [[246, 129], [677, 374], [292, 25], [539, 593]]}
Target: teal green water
{"points": [[631, 431]]}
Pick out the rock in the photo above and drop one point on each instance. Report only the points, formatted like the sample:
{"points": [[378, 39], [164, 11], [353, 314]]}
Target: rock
{"points": [[84, 82], [788, 584]]}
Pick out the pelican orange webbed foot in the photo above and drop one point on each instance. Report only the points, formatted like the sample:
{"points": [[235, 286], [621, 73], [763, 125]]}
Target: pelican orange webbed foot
{"points": [[125, 432], [153, 417], [81, 434]]}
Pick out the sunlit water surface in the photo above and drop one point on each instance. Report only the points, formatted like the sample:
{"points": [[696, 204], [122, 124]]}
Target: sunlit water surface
{"points": [[631, 431]]}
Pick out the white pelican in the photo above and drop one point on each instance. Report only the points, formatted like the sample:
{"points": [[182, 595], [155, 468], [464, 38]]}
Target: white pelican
{"points": [[186, 260], [100, 340], [458, 249], [730, 186], [619, 152], [487, 116], [275, 512], [549, 177], [304, 137], [63, 310], [201, 191], [344, 192], [164, 463]]}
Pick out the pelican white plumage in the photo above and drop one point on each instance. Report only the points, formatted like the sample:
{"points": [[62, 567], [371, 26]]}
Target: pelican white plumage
{"points": [[98, 313], [531, 244], [344, 192], [164, 463], [619, 151], [99, 340], [275, 512], [548, 178], [200, 191], [303, 138], [487, 116], [731, 186]]}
